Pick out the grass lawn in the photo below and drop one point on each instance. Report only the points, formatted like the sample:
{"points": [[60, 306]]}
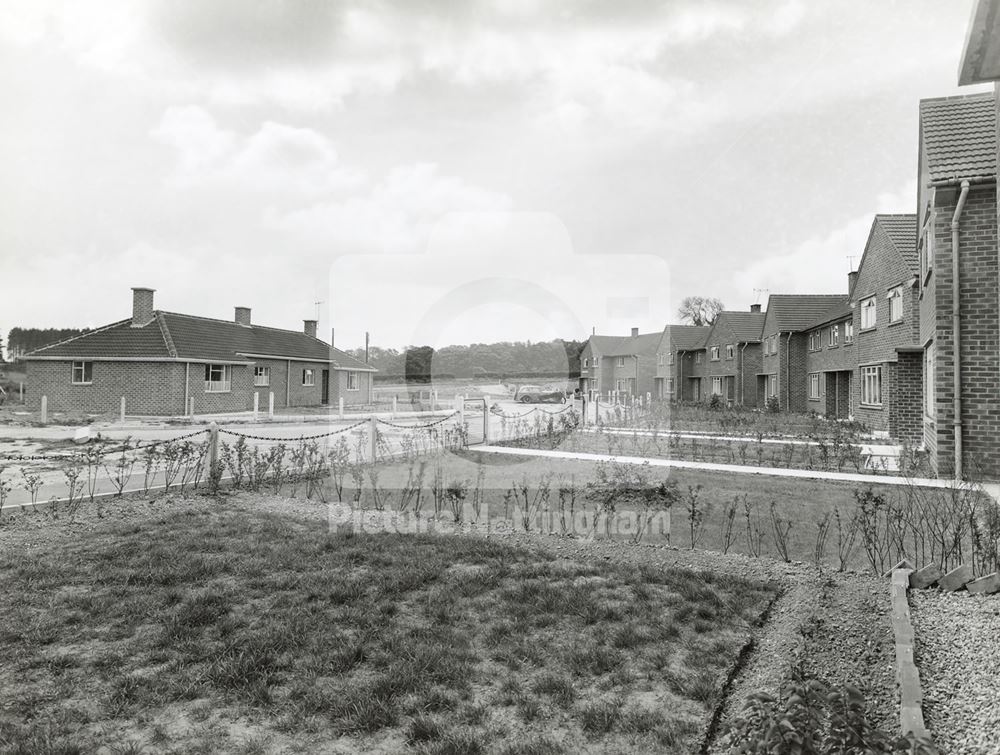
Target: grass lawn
{"points": [[803, 503], [216, 629]]}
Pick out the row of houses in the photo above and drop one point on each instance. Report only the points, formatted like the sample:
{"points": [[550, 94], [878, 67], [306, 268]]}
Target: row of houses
{"points": [[911, 347], [171, 364]]}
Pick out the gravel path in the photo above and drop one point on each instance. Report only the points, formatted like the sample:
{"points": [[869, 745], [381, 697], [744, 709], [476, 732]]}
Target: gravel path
{"points": [[958, 655]]}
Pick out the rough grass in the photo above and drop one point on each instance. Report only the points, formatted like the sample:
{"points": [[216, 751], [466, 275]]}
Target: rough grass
{"points": [[208, 631]]}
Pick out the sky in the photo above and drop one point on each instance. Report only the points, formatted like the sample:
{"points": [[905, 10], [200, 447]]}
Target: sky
{"points": [[438, 172]]}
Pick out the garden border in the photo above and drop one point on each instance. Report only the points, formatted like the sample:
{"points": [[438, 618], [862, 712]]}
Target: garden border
{"points": [[911, 717]]}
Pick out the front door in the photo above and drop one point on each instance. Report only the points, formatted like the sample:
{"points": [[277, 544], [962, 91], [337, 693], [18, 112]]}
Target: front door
{"points": [[326, 387]]}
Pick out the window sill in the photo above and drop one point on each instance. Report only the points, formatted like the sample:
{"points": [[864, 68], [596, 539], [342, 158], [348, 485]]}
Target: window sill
{"points": [[207, 391], [870, 406], [83, 384], [261, 385], [895, 323], [868, 330]]}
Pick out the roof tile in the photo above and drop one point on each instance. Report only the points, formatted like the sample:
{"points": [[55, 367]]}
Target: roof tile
{"points": [[959, 137]]}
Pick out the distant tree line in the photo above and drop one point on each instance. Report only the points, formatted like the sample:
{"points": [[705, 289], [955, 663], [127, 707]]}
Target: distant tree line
{"points": [[485, 359], [21, 341]]}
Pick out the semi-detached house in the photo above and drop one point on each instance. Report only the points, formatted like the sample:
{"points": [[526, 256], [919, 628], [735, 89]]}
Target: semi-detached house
{"points": [[733, 356], [619, 366], [677, 342], [162, 363]]}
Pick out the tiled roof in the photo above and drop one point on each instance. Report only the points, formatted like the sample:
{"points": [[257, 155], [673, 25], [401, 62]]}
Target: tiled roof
{"points": [[186, 337], [683, 337], [796, 312], [746, 326], [838, 311], [959, 137], [614, 346], [902, 232]]}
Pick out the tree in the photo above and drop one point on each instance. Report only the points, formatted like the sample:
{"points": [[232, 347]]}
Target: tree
{"points": [[700, 310]]}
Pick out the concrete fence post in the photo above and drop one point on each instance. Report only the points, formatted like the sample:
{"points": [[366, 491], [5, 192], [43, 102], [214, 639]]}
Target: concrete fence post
{"points": [[213, 446], [45, 410], [373, 431], [20, 391], [121, 411], [434, 401], [270, 405], [394, 405], [486, 422], [190, 406], [256, 405], [341, 407]]}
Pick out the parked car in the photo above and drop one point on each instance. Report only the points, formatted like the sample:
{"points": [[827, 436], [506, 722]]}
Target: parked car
{"points": [[533, 394]]}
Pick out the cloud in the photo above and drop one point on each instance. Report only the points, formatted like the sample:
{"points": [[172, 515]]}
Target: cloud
{"points": [[819, 264]]}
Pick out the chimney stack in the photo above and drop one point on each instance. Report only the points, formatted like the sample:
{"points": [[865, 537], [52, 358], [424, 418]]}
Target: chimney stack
{"points": [[635, 332], [309, 327], [243, 316], [755, 307], [852, 278], [142, 306]]}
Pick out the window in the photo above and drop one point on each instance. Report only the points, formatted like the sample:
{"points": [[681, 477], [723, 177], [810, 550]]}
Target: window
{"points": [[868, 312], [659, 359], [621, 361], [670, 359], [833, 338], [621, 385], [586, 362], [896, 304], [871, 385], [812, 342], [218, 378], [849, 331], [730, 352], [697, 357], [814, 385], [715, 353], [717, 386], [83, 373], [308, 377], [773, 386], [670, 385], [595, 361], [352, 381], [930, 409], [261, 375], [926, 246]]}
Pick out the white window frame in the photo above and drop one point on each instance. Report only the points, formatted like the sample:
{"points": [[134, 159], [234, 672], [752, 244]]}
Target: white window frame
{"points": [[930, 373], [670, 359], [849, 331], [833, 337], [871, 385], [353, 382], [814, 385], [730, 351], [714, 354], [697, 357], [308, 376], [717, 386], [218, 378], [895, 297], [772, 385], [670, 386], [621, 361], [82, 373], [869, 306], [261, 376]]}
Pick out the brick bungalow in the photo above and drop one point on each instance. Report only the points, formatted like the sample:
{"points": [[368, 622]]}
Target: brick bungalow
{"points": [[959, 289], [675, 342], [733, 356], [160, 360], [885, 304], [785, 344], [625, 365]]}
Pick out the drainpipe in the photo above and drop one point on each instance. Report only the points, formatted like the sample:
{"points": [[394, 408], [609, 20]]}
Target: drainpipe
{"points": [[743, 362], [187, 384], [956, 334], [788, 372], [288, 383]]}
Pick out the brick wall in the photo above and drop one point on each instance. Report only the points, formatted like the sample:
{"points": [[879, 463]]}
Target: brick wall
{"points": [[906, 409], [155, 388], [979, 310]]}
